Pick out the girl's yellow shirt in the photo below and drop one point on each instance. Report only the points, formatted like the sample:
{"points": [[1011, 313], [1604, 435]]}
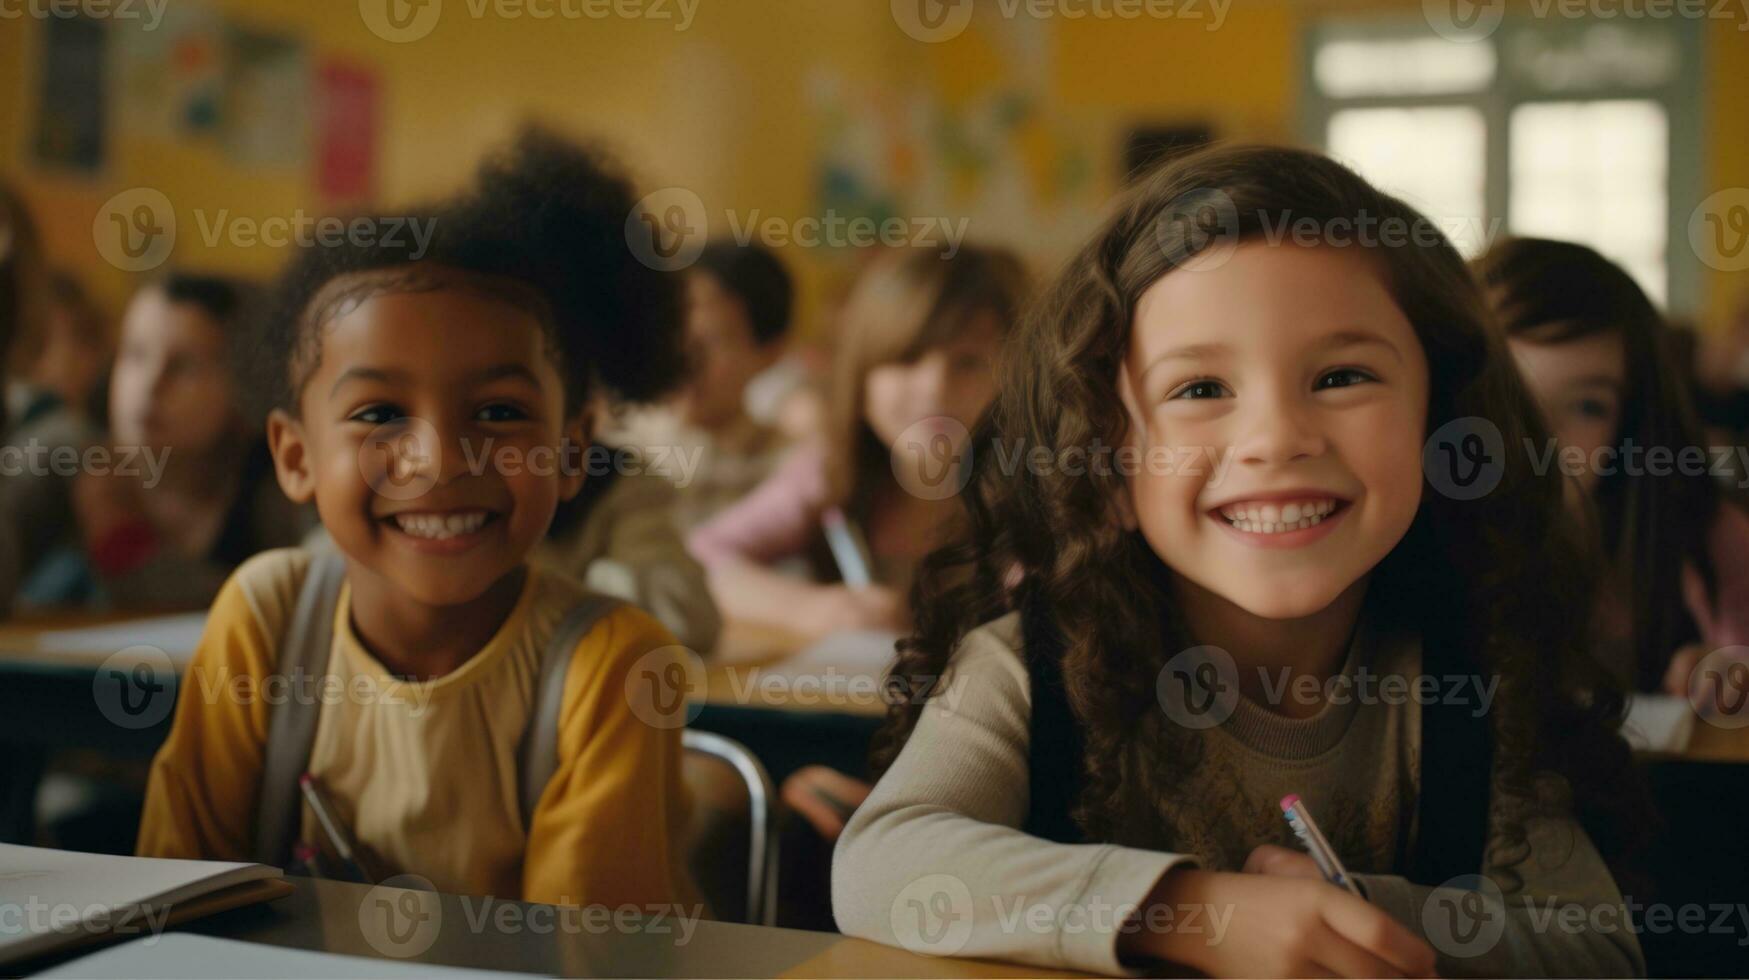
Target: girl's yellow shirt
{"points": [[425, 772]]}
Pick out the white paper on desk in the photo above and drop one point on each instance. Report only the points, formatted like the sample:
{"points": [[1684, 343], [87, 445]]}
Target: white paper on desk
{"points": [[854, 653], [181, 954], [1658, 723], [53, 897], [177, 635]]}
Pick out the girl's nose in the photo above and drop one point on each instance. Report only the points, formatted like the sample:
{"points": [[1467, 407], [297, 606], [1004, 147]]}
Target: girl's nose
{"points": [[457, 455], [929, 379], [1279, 430]]}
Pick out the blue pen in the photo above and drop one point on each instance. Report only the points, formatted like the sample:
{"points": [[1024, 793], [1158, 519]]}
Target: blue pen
{"points": [[1300, 819]]}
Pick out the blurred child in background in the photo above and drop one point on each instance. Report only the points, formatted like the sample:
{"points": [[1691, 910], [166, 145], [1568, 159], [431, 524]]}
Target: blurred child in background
{"points": [[75, 362], [618, 536], [20, 283], [622, 533], [23, 303], [920, 332], [186, 492], [1597, 355], [61, 363], [738, 316]]}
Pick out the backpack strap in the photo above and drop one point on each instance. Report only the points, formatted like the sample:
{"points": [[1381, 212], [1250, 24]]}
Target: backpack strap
{"points": [[291, 724], [1457, 765], [538, 756]]}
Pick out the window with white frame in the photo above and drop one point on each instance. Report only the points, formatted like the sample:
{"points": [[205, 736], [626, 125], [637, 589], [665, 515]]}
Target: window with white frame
{"points": [[1577, 130]]}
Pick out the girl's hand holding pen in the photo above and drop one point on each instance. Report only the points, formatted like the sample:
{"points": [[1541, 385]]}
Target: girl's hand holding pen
{"points": [[1283, 862]]}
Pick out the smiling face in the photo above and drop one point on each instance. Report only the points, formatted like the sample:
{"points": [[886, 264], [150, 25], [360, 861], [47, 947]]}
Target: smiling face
{"points": [[1579, 385], [430, 437], [1292, 379]]}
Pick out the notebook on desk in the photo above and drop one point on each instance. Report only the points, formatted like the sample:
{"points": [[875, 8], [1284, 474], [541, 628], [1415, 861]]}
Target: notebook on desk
{"points": [[55, 900], [187, 957]]}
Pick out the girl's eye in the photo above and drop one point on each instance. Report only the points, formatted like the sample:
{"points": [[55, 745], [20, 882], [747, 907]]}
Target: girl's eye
{"points": [[1203, 388], [1592, 408], [1343, 378], [500, 412], [376, 414]]}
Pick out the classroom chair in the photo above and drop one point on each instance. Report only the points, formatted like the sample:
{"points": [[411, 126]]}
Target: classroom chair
{"points": [[732, 837]]}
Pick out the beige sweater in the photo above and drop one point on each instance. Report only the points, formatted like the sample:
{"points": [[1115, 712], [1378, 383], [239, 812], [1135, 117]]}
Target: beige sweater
{"points": [[934, 860]]}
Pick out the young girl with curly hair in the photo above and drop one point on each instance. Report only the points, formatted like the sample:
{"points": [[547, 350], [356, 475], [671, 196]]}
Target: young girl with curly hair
{"points": [[1204, 568]]}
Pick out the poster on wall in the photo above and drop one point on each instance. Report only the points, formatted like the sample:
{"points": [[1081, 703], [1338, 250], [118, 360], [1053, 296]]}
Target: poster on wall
{"points": [[264, 116], [172, 76], [72, 104], [348, 116]]}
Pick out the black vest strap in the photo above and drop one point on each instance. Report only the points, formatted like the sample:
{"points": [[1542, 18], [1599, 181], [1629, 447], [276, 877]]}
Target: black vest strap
{"points": [[1456, 756], [1055, 746], [1457, 763]]}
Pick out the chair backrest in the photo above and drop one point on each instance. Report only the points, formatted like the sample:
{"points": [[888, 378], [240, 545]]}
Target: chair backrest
{"points": [[732, 819]]}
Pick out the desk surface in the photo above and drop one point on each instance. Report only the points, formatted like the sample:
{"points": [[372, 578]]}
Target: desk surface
{"points": [[747, 671], [460, 931], [743, 672]]}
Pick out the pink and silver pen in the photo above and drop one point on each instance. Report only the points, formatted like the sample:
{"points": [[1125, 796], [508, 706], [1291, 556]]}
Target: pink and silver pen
{"points": [[1300, 819]]}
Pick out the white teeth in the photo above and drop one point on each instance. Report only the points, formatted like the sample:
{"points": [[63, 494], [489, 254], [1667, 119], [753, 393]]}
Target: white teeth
{"points": [[440, 526], [1277, 518]]}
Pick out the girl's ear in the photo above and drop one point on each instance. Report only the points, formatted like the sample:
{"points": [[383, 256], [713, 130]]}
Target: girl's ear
{"points": [[575, 445], [291, 458]]}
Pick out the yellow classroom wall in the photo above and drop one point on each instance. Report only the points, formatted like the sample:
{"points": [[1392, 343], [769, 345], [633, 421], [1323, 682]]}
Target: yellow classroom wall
{"points": [[737, 107]]}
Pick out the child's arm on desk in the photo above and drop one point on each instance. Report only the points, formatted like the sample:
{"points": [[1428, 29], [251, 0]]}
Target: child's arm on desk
{"points": [[607, 828], [201, 795]]}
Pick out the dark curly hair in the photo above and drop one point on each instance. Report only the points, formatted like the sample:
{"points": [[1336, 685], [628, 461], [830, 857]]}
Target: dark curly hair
{"points": [[1504, 570], [543, 228]]}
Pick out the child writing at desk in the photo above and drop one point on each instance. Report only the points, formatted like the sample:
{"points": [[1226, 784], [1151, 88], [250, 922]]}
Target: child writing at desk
{"points": [[485, 342], [1122, 667]]}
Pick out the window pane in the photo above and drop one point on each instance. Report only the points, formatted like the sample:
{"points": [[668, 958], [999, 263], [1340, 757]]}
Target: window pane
{"points": [[1418, 66], [1433, 158], [1598, 173]]}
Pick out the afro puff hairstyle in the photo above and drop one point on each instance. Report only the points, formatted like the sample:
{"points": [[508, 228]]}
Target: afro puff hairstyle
{"points": [[542, 227]]}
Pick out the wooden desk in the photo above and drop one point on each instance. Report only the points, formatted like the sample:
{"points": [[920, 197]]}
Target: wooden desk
{"points": [[49, 701], [355, 920], [747, 670], [1711, 743], [742, 673]]}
